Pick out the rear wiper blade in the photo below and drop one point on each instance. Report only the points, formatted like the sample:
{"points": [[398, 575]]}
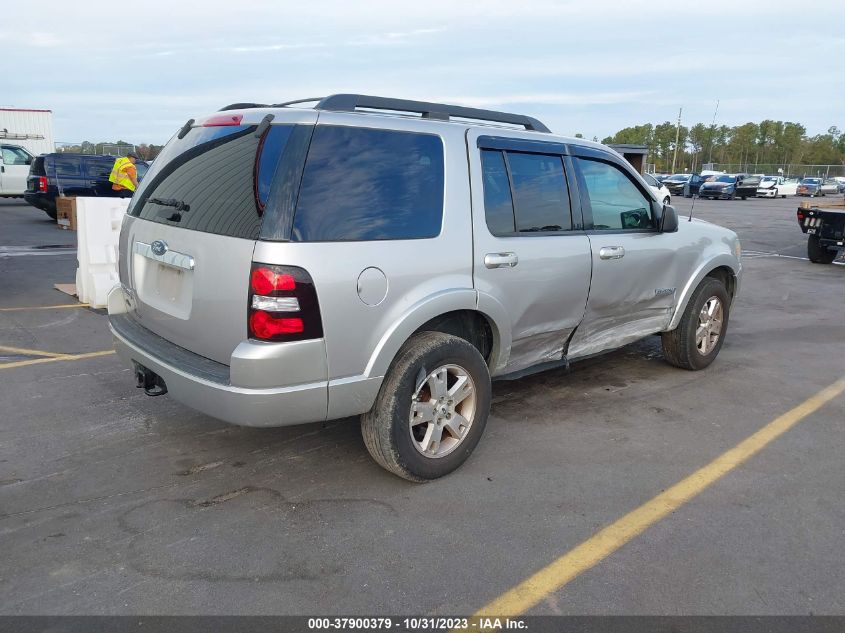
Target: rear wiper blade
{"points": [[171, 202]]}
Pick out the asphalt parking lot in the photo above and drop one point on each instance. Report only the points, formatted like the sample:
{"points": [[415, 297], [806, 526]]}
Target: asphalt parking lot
{"points": [[112, 502]]}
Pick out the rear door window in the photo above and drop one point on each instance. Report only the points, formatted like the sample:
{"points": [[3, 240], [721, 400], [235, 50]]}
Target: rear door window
{"points": [[524, 193], [99, 168], [541, 198], [210, 180], [367, 184]]}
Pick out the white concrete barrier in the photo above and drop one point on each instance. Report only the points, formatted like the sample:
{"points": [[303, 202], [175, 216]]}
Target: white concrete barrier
{"points": [[98, 223]]}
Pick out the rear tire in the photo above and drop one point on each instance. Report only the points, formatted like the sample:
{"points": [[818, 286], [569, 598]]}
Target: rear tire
{"points": [[696, 342], [817, 253], [436, 380]]}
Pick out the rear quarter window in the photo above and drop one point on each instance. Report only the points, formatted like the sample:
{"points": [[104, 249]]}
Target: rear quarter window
{"points": [[366, 184], [67, 166]]}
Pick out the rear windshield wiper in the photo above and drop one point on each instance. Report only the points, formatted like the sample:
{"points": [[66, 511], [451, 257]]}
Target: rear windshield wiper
{"points": [[171, 202]]}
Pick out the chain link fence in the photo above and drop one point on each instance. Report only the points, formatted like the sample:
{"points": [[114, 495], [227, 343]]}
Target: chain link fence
{"points": [[111, 149], [785, 169]]}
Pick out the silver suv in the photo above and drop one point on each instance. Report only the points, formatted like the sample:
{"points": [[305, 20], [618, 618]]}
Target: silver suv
{"points": [[385, 258]]}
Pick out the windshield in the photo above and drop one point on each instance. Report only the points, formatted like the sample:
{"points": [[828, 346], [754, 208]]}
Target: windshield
{"points": [[811, 181], [679, 177], [753, 180], [769, 178], [725, 179]]}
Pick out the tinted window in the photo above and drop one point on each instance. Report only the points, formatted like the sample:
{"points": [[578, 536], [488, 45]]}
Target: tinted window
{"points": [[615, 201], [365, 184], [498, 204], [541, 199], [67, 166], [99, 168], [213, 171]]}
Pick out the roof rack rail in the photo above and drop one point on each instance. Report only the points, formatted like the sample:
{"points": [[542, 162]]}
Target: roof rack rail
{"points": [[242, 106], [437, 111], [295, 101]]}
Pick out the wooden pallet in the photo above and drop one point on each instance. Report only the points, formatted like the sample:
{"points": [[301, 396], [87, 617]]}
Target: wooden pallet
{"points": [[837, 203]]}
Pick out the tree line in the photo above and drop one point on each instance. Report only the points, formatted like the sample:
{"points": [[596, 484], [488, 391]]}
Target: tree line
{"points": [[765, 143], [146, 151]]}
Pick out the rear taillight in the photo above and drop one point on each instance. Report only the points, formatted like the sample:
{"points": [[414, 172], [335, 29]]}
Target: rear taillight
{"points": [[800, 215], [283, 304], [223, 120], [42, 183]]}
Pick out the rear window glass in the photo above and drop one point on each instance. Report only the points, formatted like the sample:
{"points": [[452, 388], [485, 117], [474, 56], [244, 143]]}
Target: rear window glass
{"points": [[367, 184], [209, 181], [37, 167]]}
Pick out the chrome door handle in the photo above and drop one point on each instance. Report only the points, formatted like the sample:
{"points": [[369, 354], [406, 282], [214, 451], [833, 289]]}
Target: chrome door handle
{"points": [[501, 260], [611, 252]]}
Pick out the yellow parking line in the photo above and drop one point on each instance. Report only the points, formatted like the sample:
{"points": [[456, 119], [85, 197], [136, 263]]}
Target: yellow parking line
{"points": [[58, 307], [553, 577], [28, 352], [53, 359]]}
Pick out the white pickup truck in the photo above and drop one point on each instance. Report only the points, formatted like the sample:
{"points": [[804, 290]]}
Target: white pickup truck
{"points": [[14, 169]]}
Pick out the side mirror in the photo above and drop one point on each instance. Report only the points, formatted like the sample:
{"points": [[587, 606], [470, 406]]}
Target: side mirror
{"points": [[666, 218]]}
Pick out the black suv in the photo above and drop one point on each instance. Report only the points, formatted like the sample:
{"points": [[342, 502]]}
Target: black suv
{"points": [[53, 175]]}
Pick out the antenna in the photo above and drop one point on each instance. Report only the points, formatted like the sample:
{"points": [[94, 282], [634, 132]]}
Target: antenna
{"points": [[692, 206], [677, 139], [712, 129]]}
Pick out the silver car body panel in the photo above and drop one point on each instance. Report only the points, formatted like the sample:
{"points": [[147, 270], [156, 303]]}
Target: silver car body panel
{"points": [[543, 305], [561, 299]]}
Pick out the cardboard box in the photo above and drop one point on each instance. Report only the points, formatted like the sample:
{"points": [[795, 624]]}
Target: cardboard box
{"points": [[66, 212]]}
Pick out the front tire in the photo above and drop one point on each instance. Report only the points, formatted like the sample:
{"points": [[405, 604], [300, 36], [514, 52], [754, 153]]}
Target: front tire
{"points": [[696, 342], [817, 253], [431, 409]]}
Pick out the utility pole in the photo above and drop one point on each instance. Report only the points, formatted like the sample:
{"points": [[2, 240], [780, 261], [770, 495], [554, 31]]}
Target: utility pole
{"points": [[712, 129], [677, 138]]}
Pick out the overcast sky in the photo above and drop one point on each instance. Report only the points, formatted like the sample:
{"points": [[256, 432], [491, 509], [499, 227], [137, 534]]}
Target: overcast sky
{"points": [[585, 66]]}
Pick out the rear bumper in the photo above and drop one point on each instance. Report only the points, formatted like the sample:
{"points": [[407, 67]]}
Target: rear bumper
{"points": [[206, 385], [42, 201]]}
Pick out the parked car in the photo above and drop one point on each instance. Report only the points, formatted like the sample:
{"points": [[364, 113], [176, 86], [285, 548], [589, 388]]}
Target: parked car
{"points": [[283, 265], [14, 167], [830, 186], [67, 174], [810, 187], [660, 190], [675, 183], [729, 186], [776, 186], [840, 180]]}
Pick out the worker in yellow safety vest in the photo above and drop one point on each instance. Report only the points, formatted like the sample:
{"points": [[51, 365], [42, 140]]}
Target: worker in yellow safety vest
{"points": [[124, 176]]}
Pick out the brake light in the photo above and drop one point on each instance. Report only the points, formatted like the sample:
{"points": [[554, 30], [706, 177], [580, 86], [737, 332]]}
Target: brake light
{"points": [[42, 183], [266, 326], [223, 120], [282, 304], [800, 215], [264, 281]]}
